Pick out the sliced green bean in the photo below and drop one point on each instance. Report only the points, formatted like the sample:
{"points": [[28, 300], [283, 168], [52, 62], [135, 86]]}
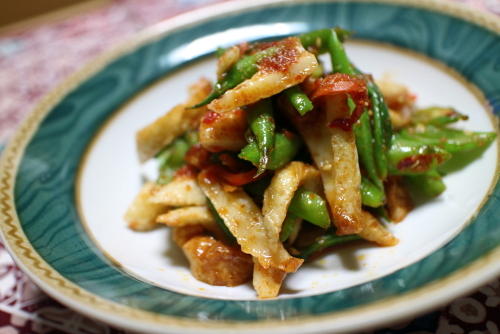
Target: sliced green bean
{"points": [[299, 100], [317, 39], [325, 241], [171, 158], [430, 184], [295, 232], [452, 140], [381, 212], [374, 91], [286, 146], [409, 156], [288, 226], [220, 222], [192, 137], [318, 72], [371, 195], [437, 116], [379, 147], [338, 56], [244, 69], [261, 123], [311, 207], [364, 145], [220, 51], [257, 188], [166, 175], [381, 127]]}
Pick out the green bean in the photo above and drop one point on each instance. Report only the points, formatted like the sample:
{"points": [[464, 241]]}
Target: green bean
{"points": [[257, 188], [286, 146], [430, 184], [311, 207], [408, 156], [192, 137], [351, 105], [295, 232], [325, 241], [179, 148], [381, 212], [338, 56], [220, 51], [299, 100], [261, 123], [451, 140], [379, 147], [318, 72], [166, 175], [317, 39], [244, 69], [171, 158], [374, 91], [289, 225], [371, 195], [382, 127], [364, 145], [230, 238], [437, 116]]}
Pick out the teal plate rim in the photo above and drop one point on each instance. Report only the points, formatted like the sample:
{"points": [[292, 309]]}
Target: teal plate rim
{"points": [[41, 226]]}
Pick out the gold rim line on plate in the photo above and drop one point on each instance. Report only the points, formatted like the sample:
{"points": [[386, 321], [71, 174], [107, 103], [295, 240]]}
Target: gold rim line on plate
{"points": [[67, 292], [440, 66]]}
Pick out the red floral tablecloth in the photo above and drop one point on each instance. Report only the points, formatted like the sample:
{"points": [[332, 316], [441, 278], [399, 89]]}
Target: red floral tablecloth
{"points": [[35, 60]]}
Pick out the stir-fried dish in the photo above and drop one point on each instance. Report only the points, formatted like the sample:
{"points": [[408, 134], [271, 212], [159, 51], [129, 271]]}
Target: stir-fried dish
{"points": [[280, 160]]}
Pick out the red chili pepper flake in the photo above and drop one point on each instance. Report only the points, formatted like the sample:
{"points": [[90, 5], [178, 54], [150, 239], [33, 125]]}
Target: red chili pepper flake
{"points": [[197, 156], [209, 176], [345, 85], [262, 46], [342, 123], [186, 171], [231, 162], [419, 163], [281, 60], [243, 47], [239, 179], [308, 86], [239, 113], [210, 117], [217, 173], [288, 134]]}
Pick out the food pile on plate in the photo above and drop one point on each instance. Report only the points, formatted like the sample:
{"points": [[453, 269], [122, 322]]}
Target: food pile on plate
{"points": [[281, 160]]}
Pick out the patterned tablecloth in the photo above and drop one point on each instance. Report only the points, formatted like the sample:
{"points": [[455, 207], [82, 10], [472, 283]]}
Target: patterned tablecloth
{"points": [[34, 60]]}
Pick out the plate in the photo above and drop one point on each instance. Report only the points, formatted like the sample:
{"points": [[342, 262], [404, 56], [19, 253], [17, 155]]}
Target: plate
{"points": [[68, 174]]}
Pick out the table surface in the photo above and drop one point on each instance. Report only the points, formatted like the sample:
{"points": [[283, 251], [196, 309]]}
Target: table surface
{"points": [[36, 59]]}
